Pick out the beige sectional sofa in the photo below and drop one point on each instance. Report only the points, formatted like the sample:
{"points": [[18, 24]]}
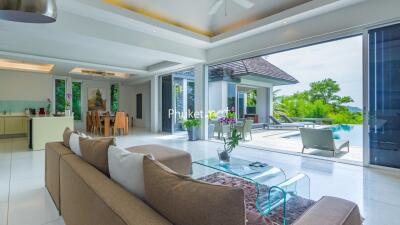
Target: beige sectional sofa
{"points": [[86, 196]]}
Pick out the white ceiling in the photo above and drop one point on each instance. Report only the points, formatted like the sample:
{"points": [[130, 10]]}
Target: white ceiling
{"points": [[194, 13], [93, 34]]}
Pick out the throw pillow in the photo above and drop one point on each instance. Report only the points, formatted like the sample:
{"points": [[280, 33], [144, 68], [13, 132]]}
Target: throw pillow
{"points": [[95, 152], [66, 135], [74, 144], [183, 200], [126, 169]]}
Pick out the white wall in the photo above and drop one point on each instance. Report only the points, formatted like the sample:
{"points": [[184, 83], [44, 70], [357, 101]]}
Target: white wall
{"points": [[23, 86], [143, 89], [218, 95], [126, 102]]}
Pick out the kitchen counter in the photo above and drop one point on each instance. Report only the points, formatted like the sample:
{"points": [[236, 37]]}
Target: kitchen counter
{"points": [[14, 115], [45, 129]]}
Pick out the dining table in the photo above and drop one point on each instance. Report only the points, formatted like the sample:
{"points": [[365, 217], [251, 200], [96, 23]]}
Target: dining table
{"points": [[108, 121]]}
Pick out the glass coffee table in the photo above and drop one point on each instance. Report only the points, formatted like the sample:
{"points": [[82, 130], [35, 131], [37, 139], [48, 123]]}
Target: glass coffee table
{"points": [[273, 187]]}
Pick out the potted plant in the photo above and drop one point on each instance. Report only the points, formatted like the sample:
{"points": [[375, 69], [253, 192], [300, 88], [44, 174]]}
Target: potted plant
{"points": [[212, 116], [229, 145], [68, 105], [48, 109], [192, 126]]}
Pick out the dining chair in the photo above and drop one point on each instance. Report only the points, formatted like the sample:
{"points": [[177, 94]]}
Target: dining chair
{"points": [[93, 121], [88, 121], [96, 122], [120, 122], [99, 123]]}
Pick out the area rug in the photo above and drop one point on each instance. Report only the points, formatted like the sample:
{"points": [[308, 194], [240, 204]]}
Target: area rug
{"points": [[295, 207]]}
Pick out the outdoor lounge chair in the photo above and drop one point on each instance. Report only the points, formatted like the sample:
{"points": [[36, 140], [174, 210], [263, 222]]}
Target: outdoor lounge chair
{"points": [[222, 129], [277, 124], [322, 139], [245, 128], [289, 120]]}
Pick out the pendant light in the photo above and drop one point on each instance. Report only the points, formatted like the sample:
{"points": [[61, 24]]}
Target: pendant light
{"points": [[28, 11]]}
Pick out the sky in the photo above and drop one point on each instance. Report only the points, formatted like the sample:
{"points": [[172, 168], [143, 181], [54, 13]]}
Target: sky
{"points": [[340, 60]]}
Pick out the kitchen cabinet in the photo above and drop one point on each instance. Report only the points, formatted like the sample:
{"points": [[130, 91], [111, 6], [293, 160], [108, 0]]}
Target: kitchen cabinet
{"points": [[1, 126], [15, 125]]}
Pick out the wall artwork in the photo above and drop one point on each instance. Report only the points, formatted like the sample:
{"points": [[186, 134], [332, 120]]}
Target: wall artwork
{"points": [[97, 99]]}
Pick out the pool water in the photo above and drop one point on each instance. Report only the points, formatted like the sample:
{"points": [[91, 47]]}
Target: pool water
{"points": [[351, 132]]}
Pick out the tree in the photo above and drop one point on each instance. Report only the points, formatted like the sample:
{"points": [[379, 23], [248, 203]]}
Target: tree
{"points": [[326, 90], [278, 107], [251, 98], [320, 101]]}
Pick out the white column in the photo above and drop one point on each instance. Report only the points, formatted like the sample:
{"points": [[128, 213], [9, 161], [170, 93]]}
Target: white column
{"points": [[269, 104], [263, 106], [201, 97], [185, 97], [244, 103], [219, 92], [154, 89]]}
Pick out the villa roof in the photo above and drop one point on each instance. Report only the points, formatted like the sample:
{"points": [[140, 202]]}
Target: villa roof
{"points": [[256, 66]]}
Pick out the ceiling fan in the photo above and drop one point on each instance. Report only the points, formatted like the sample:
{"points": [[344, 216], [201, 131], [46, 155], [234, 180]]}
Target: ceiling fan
{"points": [[218, 4]]}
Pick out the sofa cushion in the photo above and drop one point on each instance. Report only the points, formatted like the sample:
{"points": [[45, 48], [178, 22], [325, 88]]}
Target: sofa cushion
{"points": [[74, 144], [126, 169], [331, 211], [66, 136], [177, 160], [53, 153], [95, 152], [185, 201], [91, 198]]}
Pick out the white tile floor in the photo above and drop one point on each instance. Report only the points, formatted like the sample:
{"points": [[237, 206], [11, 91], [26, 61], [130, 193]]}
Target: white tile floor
{"points": [[25, 201]]}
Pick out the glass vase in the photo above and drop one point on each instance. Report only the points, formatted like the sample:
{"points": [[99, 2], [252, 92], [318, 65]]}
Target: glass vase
{"points": [[224, 156]]}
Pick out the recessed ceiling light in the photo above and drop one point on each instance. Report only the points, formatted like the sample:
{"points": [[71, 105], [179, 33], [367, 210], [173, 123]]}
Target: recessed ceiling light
{"points": [[6, 64], [101, 73], [285, 22]]}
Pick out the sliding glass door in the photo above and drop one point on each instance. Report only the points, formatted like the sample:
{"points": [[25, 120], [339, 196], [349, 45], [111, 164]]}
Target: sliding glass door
{"points": [[384, 96]]}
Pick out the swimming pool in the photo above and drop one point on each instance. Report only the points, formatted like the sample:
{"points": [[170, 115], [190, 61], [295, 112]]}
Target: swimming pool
{"points": [[351, 132]]}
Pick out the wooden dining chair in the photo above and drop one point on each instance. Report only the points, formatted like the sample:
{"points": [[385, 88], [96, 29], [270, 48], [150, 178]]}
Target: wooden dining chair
{"points": [[88, 121], [99, 123], [120, 122], [93, 121]]}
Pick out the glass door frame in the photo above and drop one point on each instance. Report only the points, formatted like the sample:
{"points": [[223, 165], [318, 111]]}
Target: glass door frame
{"points": [[366, 107], [172, 74], [365, 60], [361, 31]]}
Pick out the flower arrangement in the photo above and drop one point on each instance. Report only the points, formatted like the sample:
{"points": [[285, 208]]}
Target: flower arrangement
{"points": [[231, 143], [48, 105], [68, 101], [212, 115], [229, 118]]}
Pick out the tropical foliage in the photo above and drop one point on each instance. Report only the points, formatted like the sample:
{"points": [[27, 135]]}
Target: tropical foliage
{"points": [[59, 95], [114, 98], [191, 123], [76, 100], [321, 100], [231, 143]]}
